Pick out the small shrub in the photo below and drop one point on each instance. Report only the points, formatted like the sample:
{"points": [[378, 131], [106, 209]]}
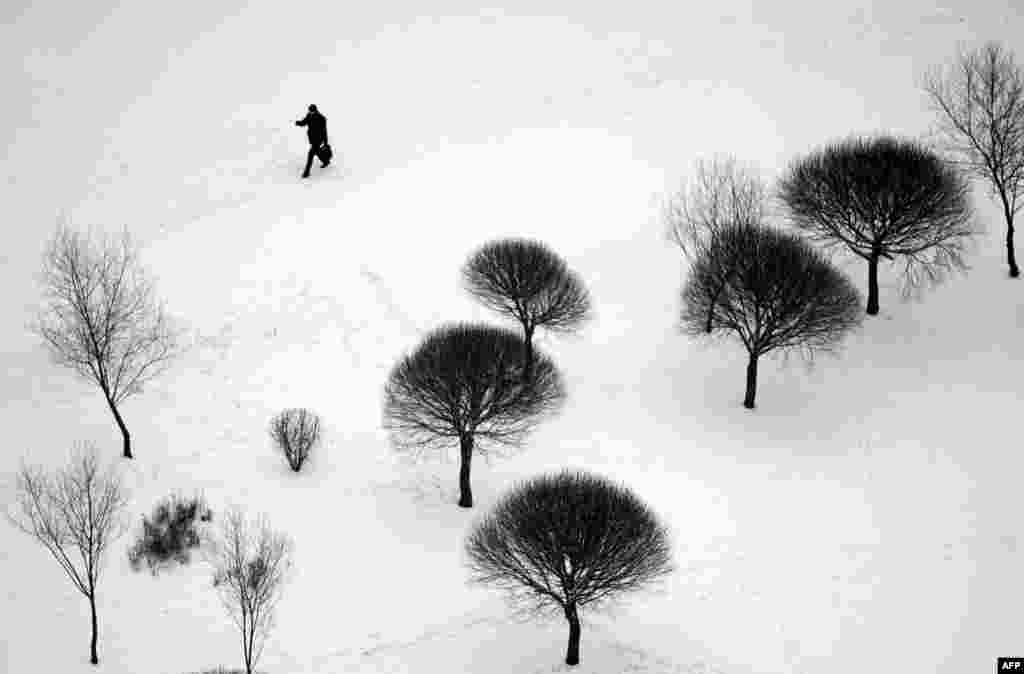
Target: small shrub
{"points": [[295, 431], [170, 534]]}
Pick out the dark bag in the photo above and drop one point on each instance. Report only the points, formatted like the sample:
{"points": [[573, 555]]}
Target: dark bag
{"points": [[324, 153]]}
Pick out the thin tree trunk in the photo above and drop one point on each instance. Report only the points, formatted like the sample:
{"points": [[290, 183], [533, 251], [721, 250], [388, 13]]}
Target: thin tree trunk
{"points": [[748, 400], [1011, 256], [126, 438], [528, 362], [246, 650], [246, 639], [873, 284], [572, 653], [465, 456], [94, 657]]}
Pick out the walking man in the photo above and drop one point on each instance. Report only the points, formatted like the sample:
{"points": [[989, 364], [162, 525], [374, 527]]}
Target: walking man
{"points": [[316, 131]]}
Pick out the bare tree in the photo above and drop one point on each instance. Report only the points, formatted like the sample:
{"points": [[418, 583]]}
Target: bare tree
{"points": [[465, 384], [251, 562], [295, 432], [774, 292], [75, 512], [527, 281], [566, 542], [722, 194], [102, 319], [883, 198], [979, 100]]}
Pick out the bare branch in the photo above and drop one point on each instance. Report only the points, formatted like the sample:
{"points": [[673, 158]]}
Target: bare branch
{"points": [[75, 513], [251, 563], [722, 192], [527, 281], [884, 198], [465, 384], [295, 432], [770, 290], [567, 541], [101, 318], [979, 104]]}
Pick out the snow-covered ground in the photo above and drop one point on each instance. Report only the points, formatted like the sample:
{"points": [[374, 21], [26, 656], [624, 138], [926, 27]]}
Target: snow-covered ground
{"points": [[862, 519]]}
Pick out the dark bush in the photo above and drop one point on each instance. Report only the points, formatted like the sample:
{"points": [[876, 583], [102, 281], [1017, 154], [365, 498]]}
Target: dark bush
{"points": [[295, 431], [170, 533]]}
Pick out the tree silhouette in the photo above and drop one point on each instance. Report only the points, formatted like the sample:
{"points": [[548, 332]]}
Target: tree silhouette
{"points": [[773, 292], [980, 104], [722, 194], [527, 281], [465, 384], [295, 431], [566, 542], [102, 319], [883, 198], [75, 512], [250, 563]]}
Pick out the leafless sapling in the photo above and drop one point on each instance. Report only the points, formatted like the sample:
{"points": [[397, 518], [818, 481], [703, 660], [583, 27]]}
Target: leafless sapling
{"points": [[295, 432], [565, 542], [102, 319], [465, 384], [777, 294], [527, 281], [251, 563], [979, 101], [883, 198], [722, 193], [75, 512]]}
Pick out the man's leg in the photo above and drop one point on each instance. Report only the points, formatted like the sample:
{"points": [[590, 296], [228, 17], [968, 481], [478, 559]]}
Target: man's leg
{"points": [[309, 161]]}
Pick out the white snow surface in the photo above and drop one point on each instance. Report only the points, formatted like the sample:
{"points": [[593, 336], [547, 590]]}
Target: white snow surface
{"points": [[865, 518]]}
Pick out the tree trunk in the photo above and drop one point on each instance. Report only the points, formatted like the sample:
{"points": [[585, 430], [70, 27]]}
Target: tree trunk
{"points": [[246, 650], [94, 657], [465, 456], [528, 362], [748, 400], [572, 653], [1011, 257], [248, 629], [873, 284], [127, 440]]}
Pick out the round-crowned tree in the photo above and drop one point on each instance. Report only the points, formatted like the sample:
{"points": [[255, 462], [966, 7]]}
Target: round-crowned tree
{"points": [[464, 384], [772, 291], [566, 542], [527, 281], [883, 198]]}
